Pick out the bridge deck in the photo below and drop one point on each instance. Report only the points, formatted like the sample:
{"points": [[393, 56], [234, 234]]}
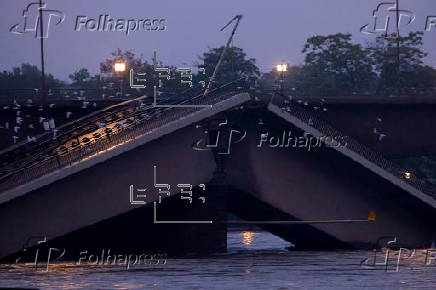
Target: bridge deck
{"points": [[133, 134], [359, 153]]}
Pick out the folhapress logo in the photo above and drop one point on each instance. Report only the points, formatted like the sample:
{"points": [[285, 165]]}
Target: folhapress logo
{"points": [[31, 20], [384, 19], [105, 23]]}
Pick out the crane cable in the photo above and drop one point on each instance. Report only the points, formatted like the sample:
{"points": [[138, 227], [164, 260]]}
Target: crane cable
{"points": [[237, 18]]}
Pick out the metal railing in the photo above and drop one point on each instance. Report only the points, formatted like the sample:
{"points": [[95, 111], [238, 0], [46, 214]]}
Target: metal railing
{"points": [[139, 128], [55, 93], [362, 150]]}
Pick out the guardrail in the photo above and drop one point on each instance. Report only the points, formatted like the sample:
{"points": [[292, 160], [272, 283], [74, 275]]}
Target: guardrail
{"points": [[367, 153], [20, 154], [75, 127], [138, 128]]}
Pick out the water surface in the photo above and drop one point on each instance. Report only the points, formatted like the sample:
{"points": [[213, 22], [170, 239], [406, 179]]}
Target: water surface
{"points": [[255, 260]]}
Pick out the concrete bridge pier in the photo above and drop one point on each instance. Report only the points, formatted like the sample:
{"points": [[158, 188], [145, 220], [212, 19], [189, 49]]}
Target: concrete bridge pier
{"points": [[100, 216], [172, 228], [322, 184]]}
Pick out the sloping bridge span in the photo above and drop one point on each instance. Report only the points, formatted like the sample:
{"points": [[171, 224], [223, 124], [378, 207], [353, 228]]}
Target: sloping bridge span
{"points": [[267, 183], [397, 127], [51, 170], [328, 183], [97, 187]]}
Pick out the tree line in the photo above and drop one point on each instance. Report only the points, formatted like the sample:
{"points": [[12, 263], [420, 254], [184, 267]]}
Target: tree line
{"points": [[333, 66]]}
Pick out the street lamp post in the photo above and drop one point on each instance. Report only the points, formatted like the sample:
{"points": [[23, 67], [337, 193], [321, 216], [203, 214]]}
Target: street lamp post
{"points": [[397, 6], [120, 68], [281, 69], [41, 38]]}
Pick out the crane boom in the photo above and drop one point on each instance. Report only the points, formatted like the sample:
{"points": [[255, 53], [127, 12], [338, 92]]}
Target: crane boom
{"points": [[212, 78]]}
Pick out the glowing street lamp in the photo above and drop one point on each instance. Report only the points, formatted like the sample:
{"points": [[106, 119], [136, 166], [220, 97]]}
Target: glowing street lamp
{"points": [[120, 68], [281, 69]]}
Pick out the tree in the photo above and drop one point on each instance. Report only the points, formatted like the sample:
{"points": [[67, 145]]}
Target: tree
{"points": [[335, 66], [424, 80], [83, 79], [167, 88], [235, 65], [26, 76], [113, 80], [407, 76]]}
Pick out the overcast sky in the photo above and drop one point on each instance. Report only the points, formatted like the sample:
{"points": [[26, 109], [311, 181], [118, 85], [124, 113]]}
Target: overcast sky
{"points": [[271, 31]]}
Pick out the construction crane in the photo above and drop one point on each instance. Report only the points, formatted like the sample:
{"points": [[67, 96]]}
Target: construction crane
{"points": [[237, 18]]}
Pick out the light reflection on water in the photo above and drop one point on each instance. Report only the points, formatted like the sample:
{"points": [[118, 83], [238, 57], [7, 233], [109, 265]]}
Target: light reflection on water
{"points": [[255, 260], [247, 238]]}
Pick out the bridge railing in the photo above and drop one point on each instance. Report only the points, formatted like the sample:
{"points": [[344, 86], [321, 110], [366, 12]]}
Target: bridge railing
{"points": [[25, 151], [107, 142], [367, 153]]}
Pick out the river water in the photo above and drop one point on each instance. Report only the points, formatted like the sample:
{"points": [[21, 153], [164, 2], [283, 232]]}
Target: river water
{"points": [[255, 260]]}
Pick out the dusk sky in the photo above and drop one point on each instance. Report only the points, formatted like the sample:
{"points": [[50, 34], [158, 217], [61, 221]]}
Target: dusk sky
{"points": [[270, 31]]}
